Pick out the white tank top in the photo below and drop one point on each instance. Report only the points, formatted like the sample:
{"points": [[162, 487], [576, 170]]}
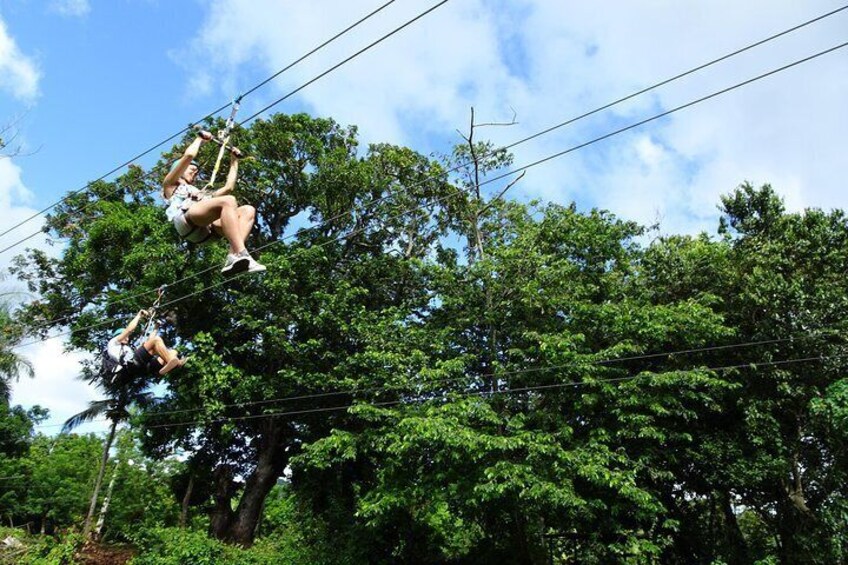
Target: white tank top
{"points": [[181, 200]]}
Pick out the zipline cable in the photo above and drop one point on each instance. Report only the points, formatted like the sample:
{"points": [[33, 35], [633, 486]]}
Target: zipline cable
{"points": [[500, 374], [525, 167], [524, 140], [666, 113], [187, 128], [490, 392], [572, 120], [677, 77], [334, 67]]}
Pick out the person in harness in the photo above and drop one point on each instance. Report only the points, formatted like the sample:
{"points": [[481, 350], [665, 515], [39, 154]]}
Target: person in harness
{"points": [[150, 358], [197, 214]]}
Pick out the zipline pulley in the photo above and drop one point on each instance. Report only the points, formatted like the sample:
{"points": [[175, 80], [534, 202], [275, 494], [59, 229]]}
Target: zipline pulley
{"points": [[151, 312], [223, 140]]}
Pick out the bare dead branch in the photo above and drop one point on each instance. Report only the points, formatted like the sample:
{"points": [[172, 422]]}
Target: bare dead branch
{"points": [[510, 123], [501, 193], [5, 142], [474, 157]]}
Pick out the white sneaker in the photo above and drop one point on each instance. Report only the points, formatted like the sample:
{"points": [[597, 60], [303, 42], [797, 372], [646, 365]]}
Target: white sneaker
{"points": [[235, 264], [255, 267]]}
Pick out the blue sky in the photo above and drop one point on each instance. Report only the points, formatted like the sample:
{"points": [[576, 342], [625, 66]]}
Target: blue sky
{"points": [[94, 82]]}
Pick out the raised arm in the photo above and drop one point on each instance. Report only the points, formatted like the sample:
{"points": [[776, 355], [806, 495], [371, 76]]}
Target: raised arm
{"points": [[131, 326], [232, 175], [172, 179]]}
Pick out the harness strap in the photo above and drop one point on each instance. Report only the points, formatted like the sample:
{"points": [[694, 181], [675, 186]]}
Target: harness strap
{"points": [[224, 137], [194, 227]]}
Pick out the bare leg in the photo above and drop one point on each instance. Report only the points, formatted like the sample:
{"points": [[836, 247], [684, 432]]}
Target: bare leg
{"points": [[155, 346], [167, 357], [222, 214], [246, 216]]}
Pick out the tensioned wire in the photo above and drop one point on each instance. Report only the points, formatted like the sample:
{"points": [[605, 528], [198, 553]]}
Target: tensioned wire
{"points": [[514, 144], [662, 83], [187, 128], [453, 394], [506, 373], [447, 396], [738, 85], [666, 113], [525, 167], [499, 374], [498, 177]]}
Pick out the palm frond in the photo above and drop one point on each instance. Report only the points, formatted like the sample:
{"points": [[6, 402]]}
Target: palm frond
{"points": [[96, 408], [5, 390]]}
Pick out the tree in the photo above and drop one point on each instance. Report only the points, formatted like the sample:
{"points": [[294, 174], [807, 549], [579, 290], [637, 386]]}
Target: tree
{"points": [[123, 395], [12, 364], [8, 134], [16, 437], [141, 495], [252, 340], [59, 473], [789, 282], [451, 376]]}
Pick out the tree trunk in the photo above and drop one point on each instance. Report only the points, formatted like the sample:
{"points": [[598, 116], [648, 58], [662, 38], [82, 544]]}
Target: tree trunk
{"points": [[86, 530], [735, 540], [186, 500], [222, 513], [271, 462], [795, 519], [104, 508]]}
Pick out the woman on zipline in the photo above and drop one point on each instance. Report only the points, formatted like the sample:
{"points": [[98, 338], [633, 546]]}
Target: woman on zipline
{"points": [[152, 357], [196, 214]]}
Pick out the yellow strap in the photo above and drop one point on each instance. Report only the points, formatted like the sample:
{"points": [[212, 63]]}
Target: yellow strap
{"points": [[217, 163], [224, 136]]}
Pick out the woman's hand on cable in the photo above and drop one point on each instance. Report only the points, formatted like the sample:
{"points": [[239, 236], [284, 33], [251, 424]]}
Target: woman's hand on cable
{"points": [[236, 153], [205, 135]]}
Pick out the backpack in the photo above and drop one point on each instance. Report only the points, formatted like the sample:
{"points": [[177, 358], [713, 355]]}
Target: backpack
{"points": [[108, 365]]}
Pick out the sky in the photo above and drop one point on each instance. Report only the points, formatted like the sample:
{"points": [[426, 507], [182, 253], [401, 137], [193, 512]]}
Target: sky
{"points": [[86, 85]]}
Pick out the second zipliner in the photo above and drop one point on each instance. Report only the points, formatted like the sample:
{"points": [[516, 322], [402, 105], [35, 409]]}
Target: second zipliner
{"points": [[122, 360], [197, 213]]}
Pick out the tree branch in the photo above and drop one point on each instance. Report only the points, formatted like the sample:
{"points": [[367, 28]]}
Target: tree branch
{"points": [[501, 193]]}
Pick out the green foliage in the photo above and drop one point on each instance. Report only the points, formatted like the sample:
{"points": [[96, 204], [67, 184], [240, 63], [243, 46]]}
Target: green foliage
{"points": [[142, 497], [173, 546], [40, 550], [12, 364], [60, 473], [451, 376], [16, 436]]}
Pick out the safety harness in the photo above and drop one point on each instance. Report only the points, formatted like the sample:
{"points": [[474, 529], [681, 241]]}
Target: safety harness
{"points": [[112, 369]]}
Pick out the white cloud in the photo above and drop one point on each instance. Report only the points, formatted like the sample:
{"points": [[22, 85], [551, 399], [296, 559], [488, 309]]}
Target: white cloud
{"points": [[14, 200], [551, 61], [19, 74], [71, 8], [55, 385]]}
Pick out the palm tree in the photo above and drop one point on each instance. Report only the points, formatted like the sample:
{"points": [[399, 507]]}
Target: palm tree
{"points": [[121, 396], [12, 365]]}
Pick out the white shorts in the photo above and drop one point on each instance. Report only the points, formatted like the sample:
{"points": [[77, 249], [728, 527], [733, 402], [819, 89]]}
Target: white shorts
{"points": [[190, 232]]}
